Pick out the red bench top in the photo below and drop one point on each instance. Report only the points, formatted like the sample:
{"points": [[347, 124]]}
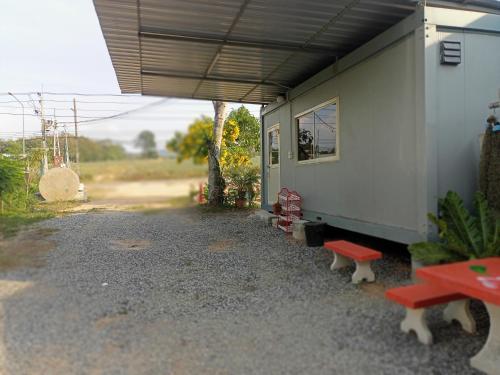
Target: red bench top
{"points": [[353, 251], [422, 295]]}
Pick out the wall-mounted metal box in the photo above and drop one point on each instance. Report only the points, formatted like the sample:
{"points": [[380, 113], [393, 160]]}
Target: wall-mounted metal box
{"points": [[451, 53]]}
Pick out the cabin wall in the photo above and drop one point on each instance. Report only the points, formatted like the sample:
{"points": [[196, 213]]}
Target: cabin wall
{"points": [[460, 108], [373, 187]]}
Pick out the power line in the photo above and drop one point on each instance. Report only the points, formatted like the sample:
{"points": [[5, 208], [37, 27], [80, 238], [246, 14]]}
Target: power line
{"points": [[116, 117], [20, 133], [68, 109], [181, 101], [33, 115], [71, 101], [97, 117], [68, 93], [149, 105]]}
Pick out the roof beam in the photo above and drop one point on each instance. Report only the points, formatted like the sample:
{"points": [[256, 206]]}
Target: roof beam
{"points": [[218, 40], [236, 19], [182, 75], [332, 21]]}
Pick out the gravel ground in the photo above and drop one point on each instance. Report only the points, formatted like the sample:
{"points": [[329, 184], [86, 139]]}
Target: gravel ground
{"points": [[187, 292]]}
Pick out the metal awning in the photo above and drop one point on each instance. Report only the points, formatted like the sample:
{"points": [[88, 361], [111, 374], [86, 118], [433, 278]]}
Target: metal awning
{"points": [[239, 50]]}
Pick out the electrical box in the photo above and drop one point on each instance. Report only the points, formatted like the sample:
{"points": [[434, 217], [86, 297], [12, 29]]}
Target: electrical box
{"points": [[451, 53]]}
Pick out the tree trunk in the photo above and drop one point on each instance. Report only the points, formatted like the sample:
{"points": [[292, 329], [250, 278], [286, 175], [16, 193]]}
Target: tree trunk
{"points": [[216, 183]]}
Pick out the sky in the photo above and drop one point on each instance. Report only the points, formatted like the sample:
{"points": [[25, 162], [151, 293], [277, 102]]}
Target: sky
{"points": [[56, 46]]}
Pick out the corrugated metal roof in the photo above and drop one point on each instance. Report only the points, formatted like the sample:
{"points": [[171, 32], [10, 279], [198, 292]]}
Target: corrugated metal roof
{"points": [[239, 50]]}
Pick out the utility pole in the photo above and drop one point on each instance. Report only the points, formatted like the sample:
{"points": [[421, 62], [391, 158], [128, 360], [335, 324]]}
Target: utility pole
{"points": [[77, 149], [45, 163], [66, 148], [54, 134]]}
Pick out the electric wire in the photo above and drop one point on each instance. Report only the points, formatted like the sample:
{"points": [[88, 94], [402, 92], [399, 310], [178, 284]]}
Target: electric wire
{"points": [[71, 94], [95, 118], [67, 109]]}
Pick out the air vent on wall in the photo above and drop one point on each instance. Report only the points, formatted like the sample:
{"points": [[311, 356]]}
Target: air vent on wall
{"points": [[451, 53]]}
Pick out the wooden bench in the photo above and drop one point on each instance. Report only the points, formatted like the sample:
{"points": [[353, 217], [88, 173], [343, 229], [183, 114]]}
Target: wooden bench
{"points": [[416, 298], [345, 252]]}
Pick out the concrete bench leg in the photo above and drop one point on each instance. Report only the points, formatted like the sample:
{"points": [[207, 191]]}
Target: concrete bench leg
{"points": [[339, 261], [415, 321], [460, 311], [488, 359], [363, 272]]}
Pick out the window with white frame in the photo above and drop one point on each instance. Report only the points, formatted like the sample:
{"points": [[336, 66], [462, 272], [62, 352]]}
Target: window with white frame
{"points": [[317, 133]]}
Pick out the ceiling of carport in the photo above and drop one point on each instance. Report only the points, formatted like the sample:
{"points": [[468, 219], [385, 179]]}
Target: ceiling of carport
{"points": [[239, 50]]}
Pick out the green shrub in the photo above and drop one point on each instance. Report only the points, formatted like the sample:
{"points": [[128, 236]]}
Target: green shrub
{"points": [[462, 236], [244, 180], [11, 179]]}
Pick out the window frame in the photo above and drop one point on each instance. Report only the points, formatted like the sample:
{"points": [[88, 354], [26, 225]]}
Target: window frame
{"points": [[335, 157]]}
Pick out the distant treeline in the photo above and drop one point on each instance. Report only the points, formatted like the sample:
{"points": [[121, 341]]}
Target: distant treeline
{"points": [[90, 149]]}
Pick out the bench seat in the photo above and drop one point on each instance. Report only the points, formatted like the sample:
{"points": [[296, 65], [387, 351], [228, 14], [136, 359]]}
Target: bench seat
{"points": [[353, 251], [421, 295], [346, 252], [416, 298]]}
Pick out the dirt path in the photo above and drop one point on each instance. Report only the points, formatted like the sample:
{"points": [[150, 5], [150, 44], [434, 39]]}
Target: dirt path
{"points": [[122, 195]]}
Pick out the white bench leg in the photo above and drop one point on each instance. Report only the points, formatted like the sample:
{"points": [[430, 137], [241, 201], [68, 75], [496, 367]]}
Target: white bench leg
{"points": [[460, 311], [488, 359], [415, 321], [339, 261], [363, 272]]}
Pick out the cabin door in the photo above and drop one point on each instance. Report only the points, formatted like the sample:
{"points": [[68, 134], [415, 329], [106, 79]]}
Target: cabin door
{"points": [[273, 163]]}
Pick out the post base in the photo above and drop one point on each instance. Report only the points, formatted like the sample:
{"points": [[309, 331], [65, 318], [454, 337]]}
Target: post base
{"points": [[488, 359], [460, 311], [415, 321], [363, 272], [340, 261]]}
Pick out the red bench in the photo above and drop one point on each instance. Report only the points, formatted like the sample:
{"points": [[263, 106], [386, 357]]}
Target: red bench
{"points": [[416, 298], [346, 252]]}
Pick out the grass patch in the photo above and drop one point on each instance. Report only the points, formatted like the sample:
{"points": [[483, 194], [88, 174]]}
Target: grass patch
{"points": [[140, 169], [26, 250], [12, 222]]}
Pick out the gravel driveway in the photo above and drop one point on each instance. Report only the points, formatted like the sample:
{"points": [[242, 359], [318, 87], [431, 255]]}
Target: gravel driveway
{"points": [[187, 292]]}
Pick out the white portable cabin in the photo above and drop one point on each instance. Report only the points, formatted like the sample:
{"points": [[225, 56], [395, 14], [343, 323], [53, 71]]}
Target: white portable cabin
{"points": [[391, 127], [389, 97]]}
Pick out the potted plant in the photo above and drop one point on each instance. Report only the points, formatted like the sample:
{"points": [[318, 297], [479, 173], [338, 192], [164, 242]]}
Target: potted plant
{"points": [[462, 236], [277, 208], [243, 179], [241, 199]]}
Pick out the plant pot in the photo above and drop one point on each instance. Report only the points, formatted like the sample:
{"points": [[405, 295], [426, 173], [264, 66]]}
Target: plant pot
{"points": [[240, 202], [277, 209], [314, 232]]}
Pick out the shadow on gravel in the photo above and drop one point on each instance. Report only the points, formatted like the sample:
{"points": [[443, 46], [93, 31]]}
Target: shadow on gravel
{"points": [[26, 249]]}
